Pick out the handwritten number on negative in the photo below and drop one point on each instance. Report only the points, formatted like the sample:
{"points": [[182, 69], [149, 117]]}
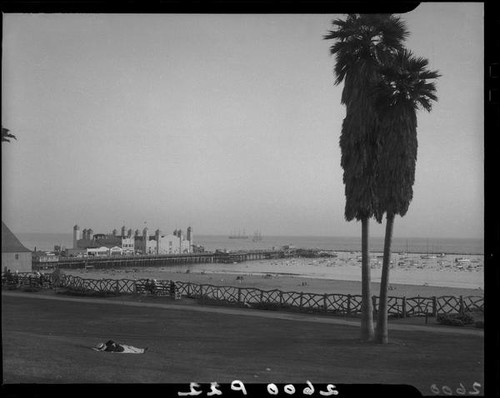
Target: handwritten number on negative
{"points": [[461, 390], [475, 387], [192, 391], [214, 390], [330, 390]]}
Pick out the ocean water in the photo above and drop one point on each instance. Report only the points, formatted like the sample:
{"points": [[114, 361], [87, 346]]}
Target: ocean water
{"points": [[46, 241]]}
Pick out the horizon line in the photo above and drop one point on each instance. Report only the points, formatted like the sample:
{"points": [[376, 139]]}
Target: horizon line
{"points": [[298, 236]]}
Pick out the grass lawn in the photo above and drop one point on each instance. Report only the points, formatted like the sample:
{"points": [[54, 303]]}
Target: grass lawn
{"points": [[46, 341]]}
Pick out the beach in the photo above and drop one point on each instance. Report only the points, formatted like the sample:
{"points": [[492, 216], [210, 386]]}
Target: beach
{"points": [[410, 274]]}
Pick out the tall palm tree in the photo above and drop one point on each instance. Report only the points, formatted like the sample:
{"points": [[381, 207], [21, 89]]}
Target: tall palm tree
{"points": [[362, 44], [405, 87]]}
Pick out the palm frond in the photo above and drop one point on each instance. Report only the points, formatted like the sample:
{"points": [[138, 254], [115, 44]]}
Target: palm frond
{"points": [[6, 136], [405, 82]]}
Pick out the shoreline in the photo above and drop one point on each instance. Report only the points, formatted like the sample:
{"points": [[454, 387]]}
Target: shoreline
{"points": [[399, 252]]}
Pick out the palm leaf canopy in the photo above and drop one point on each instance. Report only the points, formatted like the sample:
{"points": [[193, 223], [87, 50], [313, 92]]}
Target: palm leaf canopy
{"points": [[404, 88], [364, 39], [405, 82]]}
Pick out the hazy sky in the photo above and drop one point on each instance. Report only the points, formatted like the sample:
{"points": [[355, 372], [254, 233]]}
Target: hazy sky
{"points": [[222, 122]]}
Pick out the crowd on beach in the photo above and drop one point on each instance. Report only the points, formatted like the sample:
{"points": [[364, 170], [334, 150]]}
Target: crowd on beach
{"points": [[402, 261]]}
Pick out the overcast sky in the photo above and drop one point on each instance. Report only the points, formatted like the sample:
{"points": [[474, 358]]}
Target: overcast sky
{"points": [[222, 122]]}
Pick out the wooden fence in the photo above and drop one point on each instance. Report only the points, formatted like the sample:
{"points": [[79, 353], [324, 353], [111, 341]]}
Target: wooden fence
{"points": [[338, 304]]}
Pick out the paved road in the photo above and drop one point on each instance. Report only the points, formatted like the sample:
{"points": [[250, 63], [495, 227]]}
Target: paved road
{"points": [[251, 313]]}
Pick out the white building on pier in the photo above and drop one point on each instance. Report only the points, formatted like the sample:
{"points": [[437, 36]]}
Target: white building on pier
{"points": [[126, 243]]}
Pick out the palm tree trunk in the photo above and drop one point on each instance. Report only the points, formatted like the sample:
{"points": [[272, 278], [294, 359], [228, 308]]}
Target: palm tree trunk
{"points": [[367, 332], [382, 332]]}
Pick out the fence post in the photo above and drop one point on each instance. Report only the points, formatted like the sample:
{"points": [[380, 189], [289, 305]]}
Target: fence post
{"points": [[281, 298], [348, 304], [324, 302], [201, 293], [404, 307], [301, 297], [461, 305], [434, 306], [239, 295], [261, 295], [117, 287]]}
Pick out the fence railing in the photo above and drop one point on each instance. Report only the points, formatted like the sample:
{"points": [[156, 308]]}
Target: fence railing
{"points": [[338, 304]]}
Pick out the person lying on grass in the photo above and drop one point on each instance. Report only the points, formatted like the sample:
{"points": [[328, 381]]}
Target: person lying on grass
{"points": [[112, 346]]}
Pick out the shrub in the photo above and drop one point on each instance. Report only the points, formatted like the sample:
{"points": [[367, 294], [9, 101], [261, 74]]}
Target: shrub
{"points": [[30, 289], [467, 318], [267, 306], [87, 293], [213, 301], [455, 319]]}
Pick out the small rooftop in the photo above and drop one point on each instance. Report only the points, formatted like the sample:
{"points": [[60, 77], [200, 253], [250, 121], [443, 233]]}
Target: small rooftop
{"points": [[10, 243]]}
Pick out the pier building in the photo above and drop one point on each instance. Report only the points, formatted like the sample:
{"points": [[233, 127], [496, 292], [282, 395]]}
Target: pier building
{"points": [[126, 243]]}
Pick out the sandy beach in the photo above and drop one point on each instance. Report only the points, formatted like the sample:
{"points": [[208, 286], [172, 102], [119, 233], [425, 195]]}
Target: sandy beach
{"points": [[410, 275]]}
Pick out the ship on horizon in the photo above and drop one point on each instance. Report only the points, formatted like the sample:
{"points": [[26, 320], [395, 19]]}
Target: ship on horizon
{"points": [[239, 235], [257, 236]]}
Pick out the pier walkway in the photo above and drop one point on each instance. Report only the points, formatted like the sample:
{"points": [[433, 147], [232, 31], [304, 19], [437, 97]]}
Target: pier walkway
{"points": [[172, 259]]}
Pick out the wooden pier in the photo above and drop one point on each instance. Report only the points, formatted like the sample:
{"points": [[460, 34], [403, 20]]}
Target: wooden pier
{"points": [[162, 260]]}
